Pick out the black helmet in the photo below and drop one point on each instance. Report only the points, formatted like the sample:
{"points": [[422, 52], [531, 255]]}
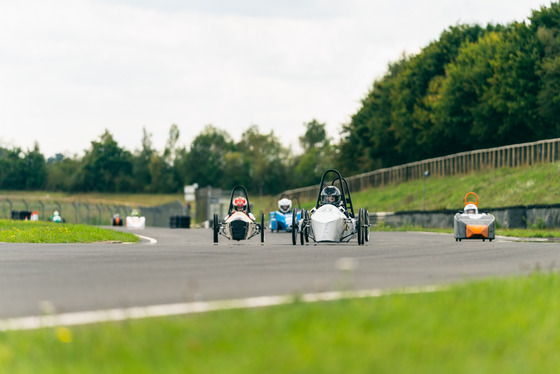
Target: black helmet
{"points": [[330, 195]]}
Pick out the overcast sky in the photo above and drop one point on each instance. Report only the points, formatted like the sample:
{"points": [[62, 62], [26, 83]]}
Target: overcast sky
{"points": [[69, 69]]}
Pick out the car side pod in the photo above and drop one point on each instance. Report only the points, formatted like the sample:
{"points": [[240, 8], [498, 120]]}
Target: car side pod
{"points": [[477, 232]]}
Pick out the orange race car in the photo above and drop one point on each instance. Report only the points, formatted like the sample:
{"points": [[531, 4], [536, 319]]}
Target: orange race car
{"points": [[470, 224]]}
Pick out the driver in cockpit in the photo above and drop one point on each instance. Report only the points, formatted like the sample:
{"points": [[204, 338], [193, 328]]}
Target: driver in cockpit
{"points": [[331, 195]]}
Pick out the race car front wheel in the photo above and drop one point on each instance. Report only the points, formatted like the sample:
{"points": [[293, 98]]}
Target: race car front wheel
{"points": [[359, 226], [216, 228], [366, 221], [262, 228], [294, 226], [307, 223]]}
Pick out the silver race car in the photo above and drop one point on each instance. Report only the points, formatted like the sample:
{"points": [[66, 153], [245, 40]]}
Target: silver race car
{"points": [[332, 220]]}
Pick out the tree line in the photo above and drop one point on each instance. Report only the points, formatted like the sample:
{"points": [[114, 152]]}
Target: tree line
{"points": [[258, 160], [474, 87]]}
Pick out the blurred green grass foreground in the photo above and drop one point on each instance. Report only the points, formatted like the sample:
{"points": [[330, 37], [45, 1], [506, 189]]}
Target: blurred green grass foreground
{"points": [[502, 325]]}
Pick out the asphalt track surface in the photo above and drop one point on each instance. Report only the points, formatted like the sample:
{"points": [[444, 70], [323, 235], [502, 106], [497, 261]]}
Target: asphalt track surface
{"points": [[184, 265]]}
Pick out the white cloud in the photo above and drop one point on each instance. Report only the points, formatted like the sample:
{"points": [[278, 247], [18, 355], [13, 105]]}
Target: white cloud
{"points": [[70, 69]]}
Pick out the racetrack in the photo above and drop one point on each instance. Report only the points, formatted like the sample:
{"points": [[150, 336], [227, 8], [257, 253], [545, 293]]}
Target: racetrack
{"points": [[184, 265]]}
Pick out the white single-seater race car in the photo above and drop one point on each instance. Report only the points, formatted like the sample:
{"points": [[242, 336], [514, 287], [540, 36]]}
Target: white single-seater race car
{"points": [[135, 221], [240, 223], [470, 224], [332, 220]]}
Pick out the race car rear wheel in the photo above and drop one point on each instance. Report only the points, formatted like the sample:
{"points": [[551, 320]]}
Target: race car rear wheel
{"points": [[216, 228], [359, 226], [307, 223], [366, 228], [294, 226], [262, 228]]}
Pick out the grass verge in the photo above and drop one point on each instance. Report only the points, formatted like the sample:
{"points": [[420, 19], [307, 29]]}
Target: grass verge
{"points": [[48, 232], [537, 184], [493, 326]]}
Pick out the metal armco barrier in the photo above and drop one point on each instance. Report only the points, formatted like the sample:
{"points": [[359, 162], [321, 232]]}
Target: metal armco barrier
{"points": [[460, 163], [538, 216]]}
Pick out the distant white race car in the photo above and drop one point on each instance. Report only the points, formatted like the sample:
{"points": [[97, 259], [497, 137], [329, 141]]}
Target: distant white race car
{"points": [[239, 224], [135, 221]]}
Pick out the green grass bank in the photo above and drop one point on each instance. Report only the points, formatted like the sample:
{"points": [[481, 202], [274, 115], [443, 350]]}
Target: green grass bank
{"points": [[537, 184]]}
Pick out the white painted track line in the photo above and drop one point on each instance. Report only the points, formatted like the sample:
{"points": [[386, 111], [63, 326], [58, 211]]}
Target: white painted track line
{"points": [[81, 318], [150, 240]]}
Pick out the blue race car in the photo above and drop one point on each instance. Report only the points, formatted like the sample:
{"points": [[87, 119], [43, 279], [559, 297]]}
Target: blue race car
{"points": [[282, 218]]}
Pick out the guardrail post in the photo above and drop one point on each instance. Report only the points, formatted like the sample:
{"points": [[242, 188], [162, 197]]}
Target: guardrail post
{"points": [[87, 212], [75, 211], [42, 210], [11, 208], [99, 210]]}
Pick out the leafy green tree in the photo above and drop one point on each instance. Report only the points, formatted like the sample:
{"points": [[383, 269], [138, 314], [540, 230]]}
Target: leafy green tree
{"points": [[315, 135], [206, 161], [12, 169], [140, 163], [545, 23], [236, 170], [161, 175], [62, 173], [106, 167], [489, 96], [171, 144], [395, 123], [35, 169], [318, 155], [268, 161], [180, 168]]}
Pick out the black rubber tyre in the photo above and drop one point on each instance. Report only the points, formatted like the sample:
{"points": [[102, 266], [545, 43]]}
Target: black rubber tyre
{"points": [[305, 213], [304, 227], [366, 228], [359, 227], [216, 228], [262, 228], [294, 226]]}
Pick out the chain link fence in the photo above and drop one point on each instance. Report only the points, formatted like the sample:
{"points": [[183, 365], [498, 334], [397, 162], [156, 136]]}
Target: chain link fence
{"points": [[100, 214]]}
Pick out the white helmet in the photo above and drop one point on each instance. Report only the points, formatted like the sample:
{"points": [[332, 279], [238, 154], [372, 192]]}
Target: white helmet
{"points": [[285, 205], [471, 209]]}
